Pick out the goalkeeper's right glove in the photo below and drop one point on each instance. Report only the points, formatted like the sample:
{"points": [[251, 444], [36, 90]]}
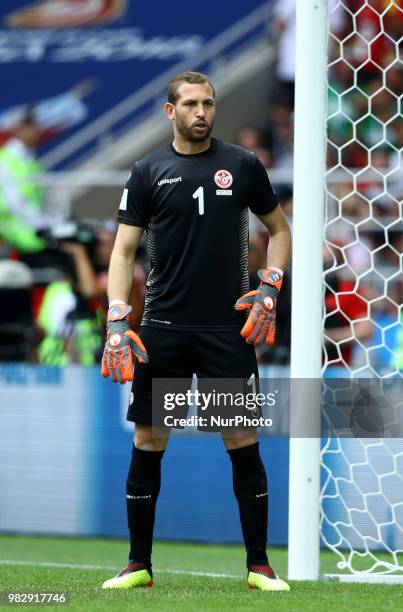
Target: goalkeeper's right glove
{"points": [[121, 346]]}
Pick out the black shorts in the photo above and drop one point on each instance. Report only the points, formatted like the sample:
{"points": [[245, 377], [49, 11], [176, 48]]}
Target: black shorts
{"points": [[180, 354]]}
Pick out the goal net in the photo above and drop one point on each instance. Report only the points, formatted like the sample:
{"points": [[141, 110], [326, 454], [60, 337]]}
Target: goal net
{"points": [[362, 477]]}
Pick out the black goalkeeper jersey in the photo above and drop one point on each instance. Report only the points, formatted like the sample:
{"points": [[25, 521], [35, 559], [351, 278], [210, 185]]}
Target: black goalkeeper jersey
{"points": [[195, 209]]}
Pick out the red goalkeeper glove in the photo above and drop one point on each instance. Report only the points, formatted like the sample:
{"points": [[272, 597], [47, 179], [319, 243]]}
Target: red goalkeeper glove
{"points": [[260, 325], [122, 346]]}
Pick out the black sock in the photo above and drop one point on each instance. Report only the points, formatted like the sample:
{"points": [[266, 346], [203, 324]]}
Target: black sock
{"points": [[142, 489], [250, 488]]}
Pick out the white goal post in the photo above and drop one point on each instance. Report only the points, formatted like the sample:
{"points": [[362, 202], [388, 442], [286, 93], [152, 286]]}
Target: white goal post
{"points": [[346, 493], [306, 326]]}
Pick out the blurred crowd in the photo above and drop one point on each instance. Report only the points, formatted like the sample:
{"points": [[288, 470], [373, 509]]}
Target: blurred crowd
{"points": [[53, 273], [364, 238]]}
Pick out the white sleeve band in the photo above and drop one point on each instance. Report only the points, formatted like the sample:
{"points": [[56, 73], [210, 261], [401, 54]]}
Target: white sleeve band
{"points": [[279, 270]]}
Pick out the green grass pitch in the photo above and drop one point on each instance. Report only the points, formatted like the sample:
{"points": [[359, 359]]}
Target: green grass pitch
{"points": [[181, 581]]}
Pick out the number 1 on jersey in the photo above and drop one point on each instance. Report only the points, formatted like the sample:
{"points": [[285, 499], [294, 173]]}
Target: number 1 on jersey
{"points": [[199, 195]]}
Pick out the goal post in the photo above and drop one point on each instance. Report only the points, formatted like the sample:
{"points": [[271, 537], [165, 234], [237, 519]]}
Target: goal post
{"points": [[345, 490], [306, 316]]}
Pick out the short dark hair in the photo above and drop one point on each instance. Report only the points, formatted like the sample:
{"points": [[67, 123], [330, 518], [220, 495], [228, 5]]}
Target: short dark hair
{"points": [[186, 77]]}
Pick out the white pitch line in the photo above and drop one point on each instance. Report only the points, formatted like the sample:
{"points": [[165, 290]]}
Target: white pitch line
{"points": [[51, 564], [208, 574], [111, 567]]}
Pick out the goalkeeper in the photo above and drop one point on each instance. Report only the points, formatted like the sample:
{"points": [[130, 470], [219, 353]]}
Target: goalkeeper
{"points": [[193, 198]]}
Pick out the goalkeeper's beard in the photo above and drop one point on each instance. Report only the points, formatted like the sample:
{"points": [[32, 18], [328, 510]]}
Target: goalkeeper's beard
{"points": [[188, 133]]}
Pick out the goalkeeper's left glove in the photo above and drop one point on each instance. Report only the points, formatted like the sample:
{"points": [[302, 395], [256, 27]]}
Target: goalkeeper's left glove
{"points": [[122, 345], [260, 325]]}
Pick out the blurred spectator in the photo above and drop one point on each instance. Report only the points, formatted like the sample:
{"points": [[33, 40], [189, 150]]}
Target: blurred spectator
{"points": [[72, 313], [91, 272], [347, 317], [377, 31], [73, 326], [55, 319], [284, 26], [251, 138], [21, 199]]}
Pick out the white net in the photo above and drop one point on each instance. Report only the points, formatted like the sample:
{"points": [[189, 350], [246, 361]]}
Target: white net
{"points": [[362, 478]]}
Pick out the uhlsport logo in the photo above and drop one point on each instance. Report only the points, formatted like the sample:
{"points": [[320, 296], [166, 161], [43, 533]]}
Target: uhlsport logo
{"points": [[169, 181], [223, 179]]}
